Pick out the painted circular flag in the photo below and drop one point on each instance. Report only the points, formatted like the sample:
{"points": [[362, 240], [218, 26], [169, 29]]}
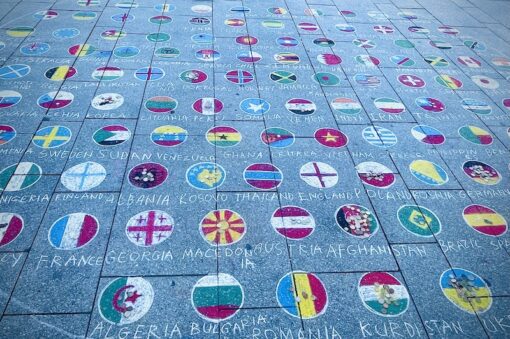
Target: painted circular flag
{"points": [[411, 80], [448, 81], [223, 136], [147, 175], [222, 227], [208, 55], [324, 42], [36, 48], [389, 105], [476, 106], [308, 26], [356, 221], [7, 133], [469, 61], [485, 81], [283, 77], [383, 294], [367, 60], [277, 10], [52, 136], [428, 135], [331, 137], [19, 176], [20, 31], [208, 106], [235, 22], [158, 37], [302, 295], [367, 80], [263, 176], [238, 76], [346, 28], [149, 73], [15, 71], [436, 61], [287, 58], [326, 79], [347, 106], [113, 34], [11, 227], [475, 135], [84, 16], [55, 100], [481, 172], [255, 106], [107, 101], [379, 136], [199, 21], [169, 136], [430, 104], [73, 231], [167, 52], [419, 220], [66, 33], [81, 50], [375, 174], [125, 300], [60, 73], [205, 175], [161, 104], [83, 177], [149, 228], [428, 172], [485, 220], [440, 44], [160, 20], [293, 222], [364, 43], [126, 51], [402, 60], [300, 106], [111, 135], [193, 76], [318, 174], [247, 40], [217, 297], [466, 290], [277, 137], [249, 57], [448, 30], [329, 59]]}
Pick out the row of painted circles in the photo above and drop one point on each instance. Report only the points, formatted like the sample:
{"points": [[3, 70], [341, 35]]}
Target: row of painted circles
{"points": [[225, 227], [257, 106], [218, 297], [227, 136]]}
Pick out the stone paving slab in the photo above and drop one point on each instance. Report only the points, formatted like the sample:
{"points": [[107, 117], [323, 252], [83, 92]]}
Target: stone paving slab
{"points": [[254, 169]]}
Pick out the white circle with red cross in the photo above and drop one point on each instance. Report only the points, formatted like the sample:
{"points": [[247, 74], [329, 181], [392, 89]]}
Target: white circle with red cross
{"points": [[149, 228], [318, 174]]}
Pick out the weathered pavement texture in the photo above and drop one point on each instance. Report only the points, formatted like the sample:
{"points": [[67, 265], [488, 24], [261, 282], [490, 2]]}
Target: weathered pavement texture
{"points": [[254, 169]]}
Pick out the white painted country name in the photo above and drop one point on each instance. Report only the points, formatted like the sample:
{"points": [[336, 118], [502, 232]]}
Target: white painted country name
{"points": [[24, 199]]}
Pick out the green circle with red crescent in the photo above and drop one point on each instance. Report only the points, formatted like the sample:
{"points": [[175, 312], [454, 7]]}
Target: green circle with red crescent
{"points": [[419, 220], [217, 297], [326, 79], [277, 137], [19, 176], [389, 105], [383, 294], [436, 61], [302, 295], [428, 172], [347, 106], [111, 135], [331, 137], [375, 174], [223, 136], [293, 222], [356, 220], [12, 225], [7, 133], [485, 220], [149, 228], [466, 290], [60, 73], [475, 135], [161, 104], [169, 135], [286, 58], [247, 40], [125, 300], [481, 172], [222, 227], [193, 76], [107, 73], [448, 81]]}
